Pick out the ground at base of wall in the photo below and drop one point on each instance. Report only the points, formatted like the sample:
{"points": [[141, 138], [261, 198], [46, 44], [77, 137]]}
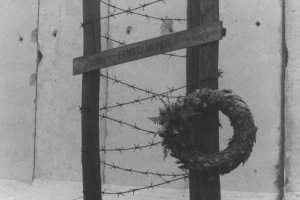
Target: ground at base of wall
{"points": [[63, 190], [292, 196]]}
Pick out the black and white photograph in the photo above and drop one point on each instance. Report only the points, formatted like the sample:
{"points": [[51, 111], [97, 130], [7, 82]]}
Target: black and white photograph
{"points": [[149, 100]]}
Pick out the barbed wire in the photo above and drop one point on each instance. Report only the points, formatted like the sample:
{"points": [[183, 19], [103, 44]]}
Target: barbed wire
{"points": [[123, 12], [134, 126], [119, 42], [156, 97], [133, 148], [77, 198], [123, 43], [129, 10], [151, 186], [137, 100], [146, 173], [132, 86], [132, 11]]}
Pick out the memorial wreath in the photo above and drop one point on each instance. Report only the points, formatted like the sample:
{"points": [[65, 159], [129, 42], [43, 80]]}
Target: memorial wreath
{"points": [[176, 118]]}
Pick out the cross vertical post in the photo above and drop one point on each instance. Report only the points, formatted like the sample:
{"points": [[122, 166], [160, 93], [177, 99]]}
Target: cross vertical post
{"points": [[202, 62], [90, 104]]}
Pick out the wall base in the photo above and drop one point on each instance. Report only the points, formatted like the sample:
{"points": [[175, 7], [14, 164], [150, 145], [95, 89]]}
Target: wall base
{"points": [[292, 196], [63, 190]]}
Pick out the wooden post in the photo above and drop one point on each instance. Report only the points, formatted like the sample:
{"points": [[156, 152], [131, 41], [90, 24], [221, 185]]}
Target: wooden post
{"points": [[202, 62], [90, 105]]}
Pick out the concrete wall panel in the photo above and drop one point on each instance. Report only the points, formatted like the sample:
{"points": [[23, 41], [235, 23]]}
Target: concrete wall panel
{"points": [[292, 111], [17, 88], [58, 124], [250, 56]]}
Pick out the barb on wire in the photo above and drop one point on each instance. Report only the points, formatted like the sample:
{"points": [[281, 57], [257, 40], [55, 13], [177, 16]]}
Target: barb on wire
{"points": [[132, 86], [151, 186], [123, 43], [134, 126], [137, 100], [146, 173], [134, 148], [141, 6], [174, 55], [77, 198], [114, 13], [119, 42], [155, 97], [132, 12]]}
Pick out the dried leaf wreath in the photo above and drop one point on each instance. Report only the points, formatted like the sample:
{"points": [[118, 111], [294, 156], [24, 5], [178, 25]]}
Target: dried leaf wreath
{"points": [[175, 119]]}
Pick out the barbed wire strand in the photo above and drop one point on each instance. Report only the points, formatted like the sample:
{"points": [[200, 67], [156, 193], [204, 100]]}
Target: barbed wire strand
{"points": [[133, 148], [137, 100], [134, 126], [154, 97], [146, 173], [129, 10], [77, 198], [132, 86], [151, 186], [132, 12], [123, 11]]}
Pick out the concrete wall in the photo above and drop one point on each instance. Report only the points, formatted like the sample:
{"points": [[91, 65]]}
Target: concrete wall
{"points": [[250, 56], [17, 87], [292, 112], [58, 116], [251, 61]]}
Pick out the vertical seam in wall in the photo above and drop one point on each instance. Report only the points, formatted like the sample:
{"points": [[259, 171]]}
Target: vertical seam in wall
{"points": [[284, 57], [38, 59]]}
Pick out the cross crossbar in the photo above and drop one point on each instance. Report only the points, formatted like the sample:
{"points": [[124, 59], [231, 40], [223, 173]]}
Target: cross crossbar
{"points": [[151, 47]]}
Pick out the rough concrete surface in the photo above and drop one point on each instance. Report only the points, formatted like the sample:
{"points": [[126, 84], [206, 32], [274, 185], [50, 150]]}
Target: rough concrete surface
{"points": [[58, 114], [250, 56], [292, 109], [66, 190], [17, 88]]}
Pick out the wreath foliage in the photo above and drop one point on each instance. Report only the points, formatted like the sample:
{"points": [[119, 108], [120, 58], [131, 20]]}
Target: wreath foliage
{"points": [[176, 118]]}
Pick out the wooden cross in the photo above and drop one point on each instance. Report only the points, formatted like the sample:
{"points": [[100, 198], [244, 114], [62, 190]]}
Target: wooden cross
{"points": [[201, 39]]}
